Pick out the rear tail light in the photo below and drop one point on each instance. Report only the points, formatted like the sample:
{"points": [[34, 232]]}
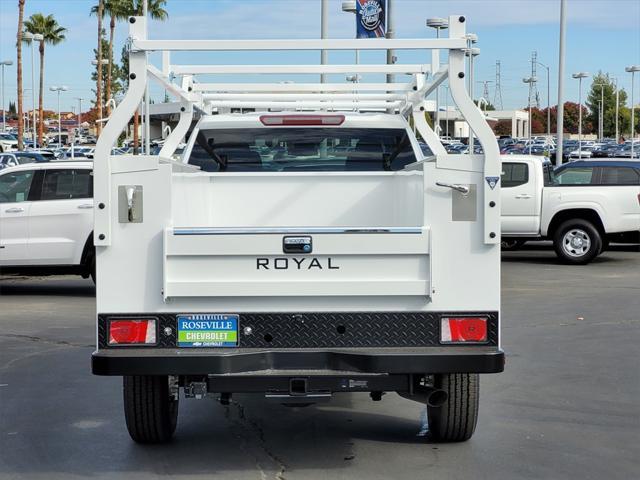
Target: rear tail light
{"points": [[132, 332], [277, 120], [463, 330]]}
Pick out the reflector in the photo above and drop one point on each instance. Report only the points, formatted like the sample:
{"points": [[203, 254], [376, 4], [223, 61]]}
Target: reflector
{"points": [[274, 120], [463, 330], [132, 332]]}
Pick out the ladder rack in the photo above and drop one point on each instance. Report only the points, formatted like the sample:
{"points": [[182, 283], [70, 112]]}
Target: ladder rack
{"points": [[404, 98]]}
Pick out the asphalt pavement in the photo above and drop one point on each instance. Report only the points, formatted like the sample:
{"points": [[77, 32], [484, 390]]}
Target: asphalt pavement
{"points": [[566, 407]]}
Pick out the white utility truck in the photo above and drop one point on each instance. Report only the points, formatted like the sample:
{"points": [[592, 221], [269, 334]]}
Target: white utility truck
{"points": [[579, 218], [304, 251]]}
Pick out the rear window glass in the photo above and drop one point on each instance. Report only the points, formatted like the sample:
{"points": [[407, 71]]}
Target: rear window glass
{"points": [[575, 176], [620, 176], [302, 149]]}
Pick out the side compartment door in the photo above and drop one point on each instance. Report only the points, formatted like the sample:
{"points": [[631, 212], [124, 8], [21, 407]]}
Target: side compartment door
{"points": [[62, 220], [519, 195], [17, 190]]}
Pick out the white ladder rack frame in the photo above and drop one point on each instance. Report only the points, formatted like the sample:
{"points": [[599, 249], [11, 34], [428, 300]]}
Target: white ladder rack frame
{"points": [[408, 98]]}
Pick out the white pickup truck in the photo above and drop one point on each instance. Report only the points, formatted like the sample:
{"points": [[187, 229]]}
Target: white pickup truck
{"points": [[580, 218]]}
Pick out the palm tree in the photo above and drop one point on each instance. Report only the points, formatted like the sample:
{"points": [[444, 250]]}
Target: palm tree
{"points": [[155, 9], [52, 33], [19, 79], [100, 14], [117, 10]]}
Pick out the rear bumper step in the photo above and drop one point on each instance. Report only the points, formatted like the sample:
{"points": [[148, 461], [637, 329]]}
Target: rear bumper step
{"points": [[429, 360]]}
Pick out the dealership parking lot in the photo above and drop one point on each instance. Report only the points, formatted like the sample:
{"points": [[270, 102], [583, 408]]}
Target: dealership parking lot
{"points": [[566, 406]]}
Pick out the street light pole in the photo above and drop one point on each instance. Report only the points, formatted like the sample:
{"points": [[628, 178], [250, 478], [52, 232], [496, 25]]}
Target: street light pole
{"points": [[580, 76], [548, 102], [615, 79], [32, 38], [560, 108], [4, 63], [59, 89], [632, 70], [601, 111], [350, 6], [324, 33]]}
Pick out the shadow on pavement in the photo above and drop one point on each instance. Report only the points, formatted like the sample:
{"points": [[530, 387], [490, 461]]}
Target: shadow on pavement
{"points": [[46, 286]]}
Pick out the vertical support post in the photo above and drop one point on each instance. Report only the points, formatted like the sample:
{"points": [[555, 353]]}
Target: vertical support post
{"points": [[492, 165], [117, 122], [560, 109]]}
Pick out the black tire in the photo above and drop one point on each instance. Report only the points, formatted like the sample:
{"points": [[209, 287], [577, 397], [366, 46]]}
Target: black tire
{"points": [[577, 255], [512, 244], [151, 414], [455, 421]]}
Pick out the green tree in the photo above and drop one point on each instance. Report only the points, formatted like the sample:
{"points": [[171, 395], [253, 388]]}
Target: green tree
{"points": [[603, 87], [53, 34]]}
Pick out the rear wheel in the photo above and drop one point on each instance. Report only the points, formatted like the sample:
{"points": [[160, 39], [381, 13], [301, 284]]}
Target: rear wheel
{"points": [[455, 420], [151, 413], [577, 242]]}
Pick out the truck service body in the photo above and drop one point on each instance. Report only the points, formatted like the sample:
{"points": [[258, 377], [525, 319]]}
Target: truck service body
{"points": [[298, 254]]}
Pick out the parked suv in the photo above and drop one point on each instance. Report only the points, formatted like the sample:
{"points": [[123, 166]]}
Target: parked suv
{"points": [[46, 212]]}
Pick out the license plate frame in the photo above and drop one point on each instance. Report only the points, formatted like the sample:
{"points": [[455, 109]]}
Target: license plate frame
{"points": [[207, 330]]}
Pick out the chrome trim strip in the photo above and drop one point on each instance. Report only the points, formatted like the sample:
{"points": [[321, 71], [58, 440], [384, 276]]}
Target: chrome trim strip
{"points": [[292, 230]]}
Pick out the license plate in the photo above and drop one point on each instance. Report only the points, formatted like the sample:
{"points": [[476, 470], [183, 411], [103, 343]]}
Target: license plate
{"points": [[208, 330]]}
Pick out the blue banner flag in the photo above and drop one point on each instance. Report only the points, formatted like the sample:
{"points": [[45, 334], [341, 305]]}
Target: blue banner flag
{"points": [[370, 18]]}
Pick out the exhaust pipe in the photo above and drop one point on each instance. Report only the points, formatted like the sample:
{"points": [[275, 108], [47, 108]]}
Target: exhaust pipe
{"points": [[430, 396], [435, 397]]}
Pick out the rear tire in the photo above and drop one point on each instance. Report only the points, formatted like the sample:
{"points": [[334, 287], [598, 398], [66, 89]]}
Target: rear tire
{"points": [[455, 421], [577, 242], [150, 412]]}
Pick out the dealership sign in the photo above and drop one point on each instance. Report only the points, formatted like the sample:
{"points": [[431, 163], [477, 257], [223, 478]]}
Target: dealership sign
{"points": [[370, 18]]}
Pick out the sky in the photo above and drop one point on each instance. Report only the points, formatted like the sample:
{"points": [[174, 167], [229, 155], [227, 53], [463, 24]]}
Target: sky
{"points": [[602, 35]]}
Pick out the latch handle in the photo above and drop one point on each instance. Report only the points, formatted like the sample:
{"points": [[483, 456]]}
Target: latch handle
{"points": [[463, 189]]}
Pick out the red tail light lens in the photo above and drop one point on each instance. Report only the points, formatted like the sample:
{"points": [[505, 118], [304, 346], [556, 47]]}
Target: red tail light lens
{"points": [[132, 332], [286, 120], [463, 330]]}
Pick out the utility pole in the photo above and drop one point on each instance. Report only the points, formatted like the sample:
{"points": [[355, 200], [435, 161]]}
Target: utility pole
{"points": [[497, 94], [560, 119]]}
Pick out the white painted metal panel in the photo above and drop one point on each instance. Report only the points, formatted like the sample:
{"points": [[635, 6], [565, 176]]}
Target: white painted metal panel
{"points": [[295, 199], [341, 264]]}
